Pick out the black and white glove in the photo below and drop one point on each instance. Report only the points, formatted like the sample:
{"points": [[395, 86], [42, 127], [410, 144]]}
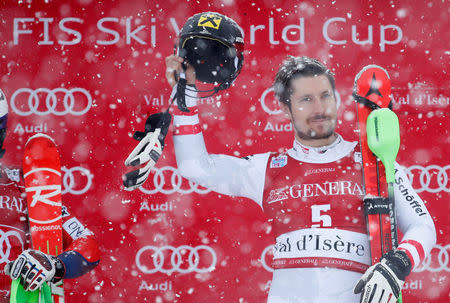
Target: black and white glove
{"points": [[383, 281], [33, 268], [148, 150]]}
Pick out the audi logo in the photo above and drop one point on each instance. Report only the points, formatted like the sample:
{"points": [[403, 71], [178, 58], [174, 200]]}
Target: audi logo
{"points": [[59, 101], [266, 257], [168, 180], [273, 101], [268, 97], [76, 180], [184, 259], [5, 244], [437, 260], [431, 178]]}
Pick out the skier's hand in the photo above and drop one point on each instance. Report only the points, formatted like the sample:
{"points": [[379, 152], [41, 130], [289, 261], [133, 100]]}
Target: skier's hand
{"points": [[383, 281], [148, 150], [33, 268], [174, 66]]}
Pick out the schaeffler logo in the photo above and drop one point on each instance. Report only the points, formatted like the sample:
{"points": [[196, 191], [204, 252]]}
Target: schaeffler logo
{"points": [[43, 101], [6, 237], [269, 102], [44, 194], [76, 180], [437, 260], [167, 180], [431, 178], [183, 259]]}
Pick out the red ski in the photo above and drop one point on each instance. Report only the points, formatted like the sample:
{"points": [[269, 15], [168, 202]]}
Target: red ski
{"points": [[42, 174], [372, 90]]}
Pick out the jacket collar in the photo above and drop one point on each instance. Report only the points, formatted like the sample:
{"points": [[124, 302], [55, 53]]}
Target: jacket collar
{"points": [[324, 154]]}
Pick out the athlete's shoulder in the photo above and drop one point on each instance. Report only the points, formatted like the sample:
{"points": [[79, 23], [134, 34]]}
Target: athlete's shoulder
{"points": [[257, 160], [256, 157]]}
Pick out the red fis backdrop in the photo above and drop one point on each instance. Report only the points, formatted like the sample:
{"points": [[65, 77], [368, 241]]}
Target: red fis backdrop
{"points": [[88, 73]]}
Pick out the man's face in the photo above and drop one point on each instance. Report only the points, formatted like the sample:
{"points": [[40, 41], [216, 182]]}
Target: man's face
{"points": [[313, 110]]}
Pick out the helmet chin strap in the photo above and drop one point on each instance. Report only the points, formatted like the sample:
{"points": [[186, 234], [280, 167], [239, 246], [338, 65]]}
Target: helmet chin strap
{"points": [[181, 92], [182, 87]]}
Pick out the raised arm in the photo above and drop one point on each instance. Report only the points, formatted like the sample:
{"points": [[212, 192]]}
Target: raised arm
{"points": [[222, 173]]}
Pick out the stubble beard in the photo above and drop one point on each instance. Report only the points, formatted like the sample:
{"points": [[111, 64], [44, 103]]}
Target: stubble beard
{"points": [[313, 135]]}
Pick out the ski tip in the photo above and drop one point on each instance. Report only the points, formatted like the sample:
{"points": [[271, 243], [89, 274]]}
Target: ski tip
{"points": [[373, 84], [370, 66], [40, 135]]}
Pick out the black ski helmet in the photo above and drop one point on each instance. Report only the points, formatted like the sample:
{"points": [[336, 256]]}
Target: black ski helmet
{"points": [[214, 45]]}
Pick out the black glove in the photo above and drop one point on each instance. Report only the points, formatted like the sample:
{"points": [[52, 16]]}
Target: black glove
{"points": [[148, 150], [383, 281], [33, 267]]}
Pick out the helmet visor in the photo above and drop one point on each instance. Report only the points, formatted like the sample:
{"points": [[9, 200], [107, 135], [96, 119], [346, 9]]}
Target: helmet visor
{"points": [[213, 60]]}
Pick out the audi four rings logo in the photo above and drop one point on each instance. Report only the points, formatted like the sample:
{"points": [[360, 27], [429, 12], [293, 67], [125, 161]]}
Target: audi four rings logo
{"points": [[267, 255], [273, 108], [176, 183], [43, 101], [167, 180], [184, 259], [5, 244], [431, 178], [438, 260], [76, 180]]}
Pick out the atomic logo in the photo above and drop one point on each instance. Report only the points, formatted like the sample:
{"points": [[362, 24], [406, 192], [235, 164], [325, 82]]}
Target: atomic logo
{"points": [[44, 194], [374, 87]]}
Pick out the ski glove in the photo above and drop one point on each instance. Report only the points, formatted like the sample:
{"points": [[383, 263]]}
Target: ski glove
{"points": [[383, 281], [148, 150], [33, 267]]}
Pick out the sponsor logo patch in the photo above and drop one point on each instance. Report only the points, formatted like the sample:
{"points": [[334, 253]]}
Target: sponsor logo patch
{"points": [[276, 195], [75, 229], [209, 20], [65, 212], [13, 174], [278, 162], [357, 156]]}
